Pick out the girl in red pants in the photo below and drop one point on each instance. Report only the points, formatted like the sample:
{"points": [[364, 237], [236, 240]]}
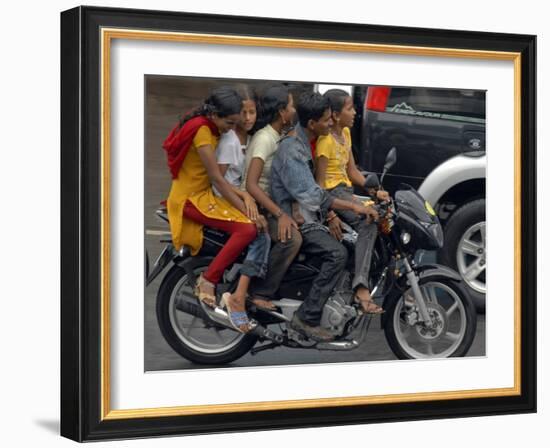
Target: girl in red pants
{"points": [[192, 203]]}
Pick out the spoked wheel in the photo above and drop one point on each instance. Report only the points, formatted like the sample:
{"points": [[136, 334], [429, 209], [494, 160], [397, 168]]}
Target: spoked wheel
{"points": [[453, 317], [186, 327]]}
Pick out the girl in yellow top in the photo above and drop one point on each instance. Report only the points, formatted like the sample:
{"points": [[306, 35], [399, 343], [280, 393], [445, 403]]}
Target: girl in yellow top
{"points": [[192, 203], [335, 170]]}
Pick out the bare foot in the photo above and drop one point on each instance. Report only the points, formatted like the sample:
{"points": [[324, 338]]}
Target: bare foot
{"points": [[263, 303]]}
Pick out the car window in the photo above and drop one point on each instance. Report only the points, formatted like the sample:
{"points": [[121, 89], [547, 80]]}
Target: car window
{"points": [[463, 105]]}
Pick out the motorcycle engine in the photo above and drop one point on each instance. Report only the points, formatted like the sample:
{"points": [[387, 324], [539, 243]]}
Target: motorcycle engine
{"points": [[336, 314]]}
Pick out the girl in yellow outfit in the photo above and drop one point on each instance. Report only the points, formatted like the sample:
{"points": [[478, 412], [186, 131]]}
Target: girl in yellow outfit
{"points": [[335, 170], [192, 203]]}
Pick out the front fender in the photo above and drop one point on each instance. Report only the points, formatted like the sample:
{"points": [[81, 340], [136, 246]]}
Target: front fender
{"points": [[438, 270]]}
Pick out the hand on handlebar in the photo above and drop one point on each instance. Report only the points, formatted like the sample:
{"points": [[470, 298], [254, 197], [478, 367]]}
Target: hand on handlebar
{"points": [[383, 195], [369, 212]]}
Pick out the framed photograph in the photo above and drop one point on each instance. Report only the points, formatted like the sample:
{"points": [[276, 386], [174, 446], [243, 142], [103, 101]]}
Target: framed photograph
{"points": [[276, 224]]}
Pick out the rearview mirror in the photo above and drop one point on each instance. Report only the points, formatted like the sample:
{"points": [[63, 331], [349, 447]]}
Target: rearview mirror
{"points": [[391, 158]]}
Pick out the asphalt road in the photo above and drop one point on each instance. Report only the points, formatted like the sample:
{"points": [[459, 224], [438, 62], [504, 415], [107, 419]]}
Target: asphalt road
{"points": [[166, 99], [160, 356]]}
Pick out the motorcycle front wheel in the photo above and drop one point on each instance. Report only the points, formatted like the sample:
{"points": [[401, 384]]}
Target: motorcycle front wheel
{"points": [[187, 329], [453, 315]]}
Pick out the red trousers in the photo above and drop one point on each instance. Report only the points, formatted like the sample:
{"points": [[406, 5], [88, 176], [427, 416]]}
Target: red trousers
{"points": [[242, 234]]}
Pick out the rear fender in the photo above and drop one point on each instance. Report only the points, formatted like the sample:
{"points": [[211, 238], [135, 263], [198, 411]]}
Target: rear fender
{"points": [[189, 264], [165, 257]]}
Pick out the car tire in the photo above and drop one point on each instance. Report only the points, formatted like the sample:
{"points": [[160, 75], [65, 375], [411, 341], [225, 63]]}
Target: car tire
{"points": [[464, 248]]}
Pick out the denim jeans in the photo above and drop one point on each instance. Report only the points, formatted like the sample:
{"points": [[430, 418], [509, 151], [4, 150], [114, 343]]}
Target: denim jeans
{"points": [[255, 262], [334, 256], [280, 258], [367, 233]]}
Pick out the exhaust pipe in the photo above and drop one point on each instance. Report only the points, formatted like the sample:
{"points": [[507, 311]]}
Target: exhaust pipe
{"points": [[218, 316], [338, 346]]}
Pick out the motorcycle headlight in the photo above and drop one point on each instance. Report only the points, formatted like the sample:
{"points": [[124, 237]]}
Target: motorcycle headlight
{"points": [[405, 237]]}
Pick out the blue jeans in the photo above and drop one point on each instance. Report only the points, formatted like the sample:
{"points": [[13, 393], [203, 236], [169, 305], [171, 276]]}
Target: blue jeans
{"points": [[255, 262]]}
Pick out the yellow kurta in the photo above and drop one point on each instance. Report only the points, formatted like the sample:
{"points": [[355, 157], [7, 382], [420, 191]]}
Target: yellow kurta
{"points": [[338, 159], [193, 184]]}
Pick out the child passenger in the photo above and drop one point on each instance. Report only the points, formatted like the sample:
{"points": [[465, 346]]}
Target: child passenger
{"points": [[335, 171], [277, 114], [230, 154]]}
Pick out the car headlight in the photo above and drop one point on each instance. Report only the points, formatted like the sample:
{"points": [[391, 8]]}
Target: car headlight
{"points": [[405, 237]]}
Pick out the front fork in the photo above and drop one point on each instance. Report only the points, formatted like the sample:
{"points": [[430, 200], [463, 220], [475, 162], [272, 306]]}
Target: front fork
{"points": [[419, 298]]}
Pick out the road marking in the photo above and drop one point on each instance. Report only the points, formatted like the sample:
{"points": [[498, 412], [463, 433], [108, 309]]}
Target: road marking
{"points": [[157, 232]]}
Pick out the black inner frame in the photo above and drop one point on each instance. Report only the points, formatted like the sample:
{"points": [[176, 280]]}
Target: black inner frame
{"points": [[81, 223]]}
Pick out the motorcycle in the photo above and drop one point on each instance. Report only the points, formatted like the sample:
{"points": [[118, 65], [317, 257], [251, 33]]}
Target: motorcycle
{"points": [[428, 312]]}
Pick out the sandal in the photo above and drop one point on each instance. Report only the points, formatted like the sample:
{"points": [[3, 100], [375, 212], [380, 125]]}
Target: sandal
{"points": [[262, 304], [372, 308], [208, 299], [369, 306], [239, 319]]}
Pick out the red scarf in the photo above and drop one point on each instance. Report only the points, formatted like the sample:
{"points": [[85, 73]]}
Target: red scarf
{"points": [[179, 141], [313, 145]]}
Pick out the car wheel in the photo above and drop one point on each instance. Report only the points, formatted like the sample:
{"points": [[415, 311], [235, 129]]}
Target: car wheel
{"points": [[465, 249]]}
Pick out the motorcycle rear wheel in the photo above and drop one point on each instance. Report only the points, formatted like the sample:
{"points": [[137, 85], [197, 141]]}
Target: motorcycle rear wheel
{"points": [[451, 309], [196, 339]]}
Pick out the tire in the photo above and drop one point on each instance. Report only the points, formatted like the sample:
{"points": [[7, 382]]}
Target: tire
{"points": [[464, 248], [204, 346], [453, 336]]}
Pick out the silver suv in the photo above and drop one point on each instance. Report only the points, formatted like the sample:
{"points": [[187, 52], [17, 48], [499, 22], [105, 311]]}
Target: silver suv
{"points": [[453, 188]]}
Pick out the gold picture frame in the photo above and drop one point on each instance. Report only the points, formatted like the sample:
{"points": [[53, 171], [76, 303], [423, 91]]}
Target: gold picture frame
{"points": [[88, 205]]}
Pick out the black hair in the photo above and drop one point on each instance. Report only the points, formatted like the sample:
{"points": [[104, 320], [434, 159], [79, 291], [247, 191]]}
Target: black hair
{"points": [[336, 99], [311, 106], [274, 99], [222, 101], [247, 93]]}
